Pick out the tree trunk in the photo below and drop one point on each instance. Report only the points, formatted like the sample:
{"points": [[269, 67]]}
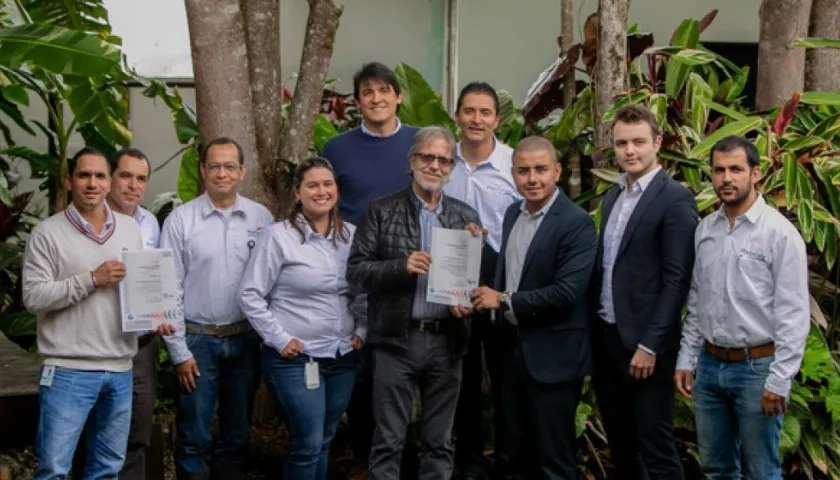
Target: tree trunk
{"points": [[822, 65], [321, 27], [262, 31], [610, 67], [222, 85], [569, 92], [781, 68]]}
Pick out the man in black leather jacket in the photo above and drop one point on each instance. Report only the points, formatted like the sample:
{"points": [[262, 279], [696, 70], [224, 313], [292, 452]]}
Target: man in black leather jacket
{"points": [[416, 343]]}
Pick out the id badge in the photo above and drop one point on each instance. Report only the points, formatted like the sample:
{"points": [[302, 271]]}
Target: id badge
{"points": [[311, 375], [47, 375]]}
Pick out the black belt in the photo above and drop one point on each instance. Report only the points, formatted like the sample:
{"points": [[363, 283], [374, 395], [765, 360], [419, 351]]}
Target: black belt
{"points": [[431, 326], [220, 331], [144, 340]]}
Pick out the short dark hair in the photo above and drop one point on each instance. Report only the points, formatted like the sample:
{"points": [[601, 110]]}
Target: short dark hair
{"points": [[732, 143], [482, 88], [128, 152], [635, 113], [71, 163], [375, 71], [223, 141]]}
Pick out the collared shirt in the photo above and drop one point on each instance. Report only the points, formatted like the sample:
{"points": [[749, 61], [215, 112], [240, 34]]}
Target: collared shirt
{"points": [[749, 287], [297, 289], [488, 188], [210, 249], [83, 226], [367, 131], [519, 241], [621, 212], [420, 308], [149, 227]]}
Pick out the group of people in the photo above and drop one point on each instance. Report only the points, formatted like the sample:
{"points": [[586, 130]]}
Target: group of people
{"points": [[328, 305]]}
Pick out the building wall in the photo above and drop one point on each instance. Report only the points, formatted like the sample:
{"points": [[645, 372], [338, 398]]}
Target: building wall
{"points": [[505, 42], [508, 44]]}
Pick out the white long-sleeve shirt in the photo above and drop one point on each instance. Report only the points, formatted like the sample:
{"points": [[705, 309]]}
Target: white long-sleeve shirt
{"points": [[749, 288]]}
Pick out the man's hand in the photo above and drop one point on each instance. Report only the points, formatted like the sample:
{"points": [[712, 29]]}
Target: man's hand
{"points": [[477, 231], [418, 262], [641, 366], [460, 311], [109, 273], [186, 372], [485, 298], [772, 404], [292, 349], [684, 379], [357, 342], [164, 329]]}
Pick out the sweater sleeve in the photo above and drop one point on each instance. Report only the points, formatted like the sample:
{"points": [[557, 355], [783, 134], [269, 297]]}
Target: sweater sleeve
{"points": [[41, 291]]}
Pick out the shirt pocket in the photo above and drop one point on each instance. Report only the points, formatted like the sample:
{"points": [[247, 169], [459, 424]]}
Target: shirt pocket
{"points": [[755, 280]]}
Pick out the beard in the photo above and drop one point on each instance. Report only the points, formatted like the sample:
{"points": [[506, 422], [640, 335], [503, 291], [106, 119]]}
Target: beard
{"points": [[740, 196], [430, 187]]}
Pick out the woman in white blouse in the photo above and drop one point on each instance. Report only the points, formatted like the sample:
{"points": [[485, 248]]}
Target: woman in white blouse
{"points": [[294, 294]]}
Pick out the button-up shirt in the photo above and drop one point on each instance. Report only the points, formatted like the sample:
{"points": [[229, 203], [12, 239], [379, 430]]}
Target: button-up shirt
{"points": [[210, 248], [294, 288], [83, 226], [621, 212], [488, 188], [749, 287], [368, 131], [420, 308], [149, 227], [519, 241]]}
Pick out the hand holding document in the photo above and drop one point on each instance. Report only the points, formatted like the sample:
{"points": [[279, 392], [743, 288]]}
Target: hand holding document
{"points": [[456, 263], [147, 293]]}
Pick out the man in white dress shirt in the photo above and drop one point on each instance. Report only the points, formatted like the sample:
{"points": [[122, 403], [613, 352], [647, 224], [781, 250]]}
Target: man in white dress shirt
{"points": [[748, 320]]}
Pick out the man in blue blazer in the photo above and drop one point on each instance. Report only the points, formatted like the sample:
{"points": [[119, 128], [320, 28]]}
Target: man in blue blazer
{"points": [[539, 294], [639, 286]]}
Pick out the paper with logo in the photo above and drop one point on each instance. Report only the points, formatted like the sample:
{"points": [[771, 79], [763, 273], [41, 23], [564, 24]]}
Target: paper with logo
{"points": [[147, 293], [456, 263]]}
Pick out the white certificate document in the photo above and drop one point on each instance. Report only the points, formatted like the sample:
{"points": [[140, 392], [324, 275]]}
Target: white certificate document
{"points": [[456, 263], [147, 293]]}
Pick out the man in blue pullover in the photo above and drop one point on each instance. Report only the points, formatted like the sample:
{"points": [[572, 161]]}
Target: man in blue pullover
{"points": [[369, 162]]}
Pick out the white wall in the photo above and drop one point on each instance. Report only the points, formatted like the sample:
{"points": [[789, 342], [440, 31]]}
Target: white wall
{"points": [[509, 43]]}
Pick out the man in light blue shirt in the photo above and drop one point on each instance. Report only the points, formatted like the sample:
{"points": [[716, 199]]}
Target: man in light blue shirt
{"points": [[481, 178], [214, 350]]}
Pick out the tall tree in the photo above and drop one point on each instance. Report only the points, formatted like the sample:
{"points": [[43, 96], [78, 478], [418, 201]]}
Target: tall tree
{"points": [[569, 89], [235, 47], [781, 67], [610, 66], [822, 65]]}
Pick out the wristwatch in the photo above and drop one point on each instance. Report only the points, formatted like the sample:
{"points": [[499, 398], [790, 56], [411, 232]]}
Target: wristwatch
{"points": [[504, 299]]}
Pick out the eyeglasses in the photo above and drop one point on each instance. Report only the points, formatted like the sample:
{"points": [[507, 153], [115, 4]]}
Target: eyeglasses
{"points": [[428, 158]]}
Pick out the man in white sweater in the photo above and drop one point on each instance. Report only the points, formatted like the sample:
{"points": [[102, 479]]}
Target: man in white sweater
{"points": [[71, 269]]}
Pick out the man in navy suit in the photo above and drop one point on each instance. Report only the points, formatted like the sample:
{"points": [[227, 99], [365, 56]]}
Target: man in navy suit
{"points": [[539, 294], [640, 283]]}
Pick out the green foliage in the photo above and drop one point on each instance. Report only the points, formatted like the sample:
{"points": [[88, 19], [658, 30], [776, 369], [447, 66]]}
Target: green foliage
{"points": [[420, 106]]}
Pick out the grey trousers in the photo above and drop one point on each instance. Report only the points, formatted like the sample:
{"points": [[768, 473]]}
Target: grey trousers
{"points": [[427, 364], [142, 411]]}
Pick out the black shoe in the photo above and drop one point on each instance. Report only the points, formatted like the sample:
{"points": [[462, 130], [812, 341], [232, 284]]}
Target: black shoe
{"points": [[226, 471], [182, 475]]}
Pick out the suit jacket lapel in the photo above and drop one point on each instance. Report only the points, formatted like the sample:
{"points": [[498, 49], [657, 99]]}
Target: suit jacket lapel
{"points": [[542, 232], [651, 192], [507, 226], [609, 203]]}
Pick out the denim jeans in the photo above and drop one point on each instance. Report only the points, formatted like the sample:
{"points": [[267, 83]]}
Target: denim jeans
{"points": [[229, 368], [731, 429], [99, 402], [312, 416]]}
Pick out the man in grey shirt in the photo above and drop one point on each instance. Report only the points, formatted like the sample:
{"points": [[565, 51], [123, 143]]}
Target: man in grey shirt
{"points": [[748, 319]]}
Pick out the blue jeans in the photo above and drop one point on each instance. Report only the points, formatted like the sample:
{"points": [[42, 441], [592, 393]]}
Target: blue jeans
{"points": [[229, 368], [312, 416], [99, 402], [730, 424]]}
